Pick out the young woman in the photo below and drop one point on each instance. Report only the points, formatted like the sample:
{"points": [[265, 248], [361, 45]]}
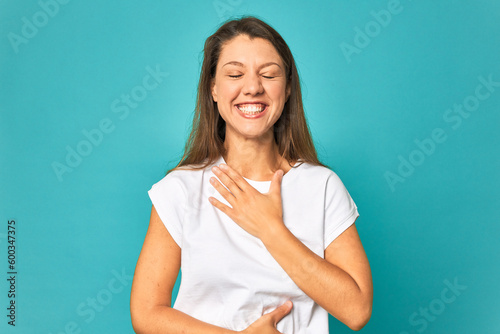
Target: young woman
{"points": [[263, 233]]}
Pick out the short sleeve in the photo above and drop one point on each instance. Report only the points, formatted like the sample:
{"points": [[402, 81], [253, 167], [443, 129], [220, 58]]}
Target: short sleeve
{"points": [[168, 198], [340, 209]]}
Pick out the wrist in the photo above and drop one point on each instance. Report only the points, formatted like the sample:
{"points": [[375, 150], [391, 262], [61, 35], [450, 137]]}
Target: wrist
{"points": [[273, 231]]}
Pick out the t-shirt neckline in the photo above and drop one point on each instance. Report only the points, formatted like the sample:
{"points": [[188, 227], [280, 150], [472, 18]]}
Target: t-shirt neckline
{"points": [[288, 176]]}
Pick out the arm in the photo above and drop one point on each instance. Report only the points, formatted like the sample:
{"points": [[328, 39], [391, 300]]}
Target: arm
{"points": [[154, 278], [341, 283]]}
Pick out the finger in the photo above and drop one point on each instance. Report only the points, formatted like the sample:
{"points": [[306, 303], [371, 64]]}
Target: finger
{"points": [[221, 206], [235, 176], [280, 312], [276, 182], [227, 180], [222, 190]]}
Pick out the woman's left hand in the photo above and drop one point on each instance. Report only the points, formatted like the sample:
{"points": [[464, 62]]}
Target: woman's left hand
{"points": [[255, 212]]}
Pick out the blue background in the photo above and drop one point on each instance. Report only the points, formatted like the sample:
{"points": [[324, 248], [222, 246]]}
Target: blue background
{"points": [[75, 233]]}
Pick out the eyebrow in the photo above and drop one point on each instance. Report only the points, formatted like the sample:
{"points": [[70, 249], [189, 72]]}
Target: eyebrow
{"points": [[237, 63]]}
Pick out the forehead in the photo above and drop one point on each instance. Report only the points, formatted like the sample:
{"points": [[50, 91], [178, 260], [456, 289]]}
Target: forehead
{"points": [[248, 52]]}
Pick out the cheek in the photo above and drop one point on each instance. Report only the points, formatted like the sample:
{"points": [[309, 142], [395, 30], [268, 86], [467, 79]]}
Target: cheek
{"points": [[228, 90], [277, 91]]}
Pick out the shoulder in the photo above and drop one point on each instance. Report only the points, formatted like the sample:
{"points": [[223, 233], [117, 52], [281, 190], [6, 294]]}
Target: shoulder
{"points": [[317, 173], [184, 178], [322, 180]]}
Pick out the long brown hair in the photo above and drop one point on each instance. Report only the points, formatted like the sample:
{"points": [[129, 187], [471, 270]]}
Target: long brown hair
{"points": [[291, 133]]}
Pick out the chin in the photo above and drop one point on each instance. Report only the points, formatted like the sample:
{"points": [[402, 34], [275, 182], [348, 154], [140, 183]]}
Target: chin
{"points": [[253, 134]]}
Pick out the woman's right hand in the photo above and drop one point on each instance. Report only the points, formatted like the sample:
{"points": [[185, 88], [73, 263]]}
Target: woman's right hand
{"points": [[267, 323]]}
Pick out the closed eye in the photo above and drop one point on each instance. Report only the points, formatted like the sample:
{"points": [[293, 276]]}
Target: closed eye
{"points": [[237, 76]]}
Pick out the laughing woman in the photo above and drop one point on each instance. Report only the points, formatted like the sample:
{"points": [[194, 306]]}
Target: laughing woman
{"points": [[263, 232]]}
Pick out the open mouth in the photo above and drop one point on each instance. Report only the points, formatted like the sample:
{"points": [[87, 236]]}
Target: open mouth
{"points": [[253, 109]]}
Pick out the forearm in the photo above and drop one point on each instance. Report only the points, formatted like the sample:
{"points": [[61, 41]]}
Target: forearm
{"points": [[164, 319], [328, 285]]}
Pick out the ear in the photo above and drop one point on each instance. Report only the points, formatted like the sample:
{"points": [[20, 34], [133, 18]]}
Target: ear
{"points": [[288, 91], [214, 90]]}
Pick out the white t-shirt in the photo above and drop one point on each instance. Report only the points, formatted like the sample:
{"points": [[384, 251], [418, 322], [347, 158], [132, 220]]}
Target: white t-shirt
{"points": [[229, 278]]}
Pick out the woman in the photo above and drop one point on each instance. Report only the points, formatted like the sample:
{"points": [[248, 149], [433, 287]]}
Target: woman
{"points": [[249, 226]]}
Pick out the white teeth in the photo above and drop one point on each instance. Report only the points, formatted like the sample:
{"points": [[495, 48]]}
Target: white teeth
{"points": [[252, 108]]}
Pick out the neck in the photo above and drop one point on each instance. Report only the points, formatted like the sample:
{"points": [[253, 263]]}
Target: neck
{"points": [[256, 159]]}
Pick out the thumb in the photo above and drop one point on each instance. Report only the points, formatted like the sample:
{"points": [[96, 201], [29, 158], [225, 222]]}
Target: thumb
{"points": [[277, 178], [280, 312]]}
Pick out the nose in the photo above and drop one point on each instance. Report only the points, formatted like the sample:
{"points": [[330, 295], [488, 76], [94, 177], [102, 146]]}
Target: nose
{"points": [[252, 84]]}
